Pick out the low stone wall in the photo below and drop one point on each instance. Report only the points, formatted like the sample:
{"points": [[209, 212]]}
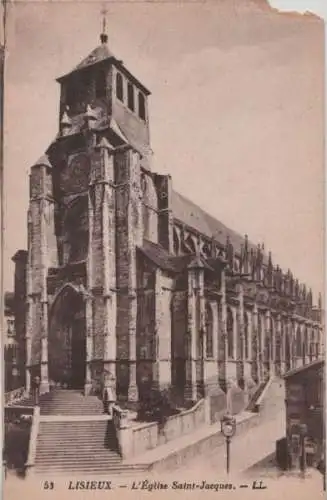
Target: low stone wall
{"points": [[136, 439], [184, 456], [13, 413], [21, 428]]}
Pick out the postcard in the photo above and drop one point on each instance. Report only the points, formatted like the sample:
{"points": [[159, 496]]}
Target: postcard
{"points": [[163, 214]]}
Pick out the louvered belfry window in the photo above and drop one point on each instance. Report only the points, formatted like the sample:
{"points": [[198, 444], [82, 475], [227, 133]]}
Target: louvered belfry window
{"points": [[130, 96], [119, 87]]}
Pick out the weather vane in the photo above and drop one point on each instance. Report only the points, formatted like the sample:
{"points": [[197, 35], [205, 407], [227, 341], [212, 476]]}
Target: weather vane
{"points": [[104, 36]]}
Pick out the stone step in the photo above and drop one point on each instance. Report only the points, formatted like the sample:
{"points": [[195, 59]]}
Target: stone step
{"points": [[67, 412], [79, 460], [63, 459], [47, 445], [61, 435], [76, 446], [97, 469], [113, 469], [100, 451], [60, 439], [76, 429]]}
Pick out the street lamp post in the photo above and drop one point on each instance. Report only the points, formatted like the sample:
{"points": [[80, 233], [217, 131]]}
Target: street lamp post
{"points": [[228, 428], [303, 434]]}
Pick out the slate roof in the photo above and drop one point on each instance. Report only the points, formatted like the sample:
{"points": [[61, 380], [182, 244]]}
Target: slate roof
{"points": [[175, 264], [315, 364], [161, 258], [20, 255], [43, 160], [98, 55], [192, 215], [198, 262]]}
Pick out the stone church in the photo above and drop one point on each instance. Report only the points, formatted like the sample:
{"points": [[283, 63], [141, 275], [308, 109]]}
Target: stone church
{"points": [[126, 276]]}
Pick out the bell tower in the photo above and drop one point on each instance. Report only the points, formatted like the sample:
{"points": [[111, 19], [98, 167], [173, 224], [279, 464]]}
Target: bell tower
{"points": [[100, 90], [94, 201]]}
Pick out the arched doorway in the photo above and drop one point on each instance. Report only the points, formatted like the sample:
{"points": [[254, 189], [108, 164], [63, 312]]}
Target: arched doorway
{"points": [[67, 339]]}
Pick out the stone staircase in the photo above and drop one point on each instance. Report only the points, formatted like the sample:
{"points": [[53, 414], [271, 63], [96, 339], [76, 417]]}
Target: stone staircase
{"points": [[76, 447], [255, 396], [269, 398], [74, 436], [65, 402], [273, 402]]}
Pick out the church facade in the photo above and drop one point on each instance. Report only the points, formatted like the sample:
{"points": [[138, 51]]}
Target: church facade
{"points": [[126, 276]]}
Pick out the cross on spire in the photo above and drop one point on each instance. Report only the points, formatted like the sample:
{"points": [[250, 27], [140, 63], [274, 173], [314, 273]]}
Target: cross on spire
{"points": [[104, 36]]}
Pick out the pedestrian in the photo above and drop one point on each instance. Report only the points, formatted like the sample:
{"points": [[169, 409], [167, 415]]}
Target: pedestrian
{"points": [[36, 390], [108, 396]]}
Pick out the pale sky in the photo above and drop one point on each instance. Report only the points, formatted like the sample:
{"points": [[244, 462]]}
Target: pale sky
{"points": [[236, 109]]}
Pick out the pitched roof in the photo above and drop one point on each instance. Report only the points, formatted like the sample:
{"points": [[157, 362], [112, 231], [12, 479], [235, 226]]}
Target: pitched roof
{"points": [[43, 160], [198, 263], [160, 257], [98, 55], [20, 255], [315, 364], [195, 217], [176, 264]]}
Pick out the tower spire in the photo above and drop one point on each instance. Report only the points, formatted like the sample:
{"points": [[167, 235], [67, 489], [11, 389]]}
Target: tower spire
{"points": [[104, 36]]}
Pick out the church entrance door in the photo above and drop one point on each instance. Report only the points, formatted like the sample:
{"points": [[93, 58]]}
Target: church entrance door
{"points": [[67, 340]]}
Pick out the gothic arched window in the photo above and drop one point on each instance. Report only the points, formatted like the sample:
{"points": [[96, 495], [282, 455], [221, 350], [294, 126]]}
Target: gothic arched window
{"points": [[305, 349], [298, 342], [76, 231], [119, 87], [176, 243], [130, 96], [317, 343], [246, 336], [230, 333], [260, 332], [141, 106], [188, 245], [209, 330]]}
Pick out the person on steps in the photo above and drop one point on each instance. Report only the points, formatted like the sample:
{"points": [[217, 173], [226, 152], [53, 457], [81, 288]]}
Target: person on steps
{"points": [[36, 390], [108, 397]]}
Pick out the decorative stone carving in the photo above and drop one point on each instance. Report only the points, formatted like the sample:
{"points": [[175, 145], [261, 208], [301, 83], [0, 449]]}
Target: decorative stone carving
{"points": [[75, 176]]}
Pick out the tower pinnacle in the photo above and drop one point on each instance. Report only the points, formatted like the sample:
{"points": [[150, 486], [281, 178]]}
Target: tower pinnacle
{"points": [[104, 36]]}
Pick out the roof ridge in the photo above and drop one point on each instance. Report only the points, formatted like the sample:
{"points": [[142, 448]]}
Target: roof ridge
{"points": [[100, 53], [226, 229]]}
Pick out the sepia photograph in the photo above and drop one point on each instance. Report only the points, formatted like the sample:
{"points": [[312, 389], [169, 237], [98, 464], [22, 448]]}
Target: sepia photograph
{"points": [[163, 248]]}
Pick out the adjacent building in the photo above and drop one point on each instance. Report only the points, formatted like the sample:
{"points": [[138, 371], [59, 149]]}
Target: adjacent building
{"points": [[305, 415], [9, 341]]}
